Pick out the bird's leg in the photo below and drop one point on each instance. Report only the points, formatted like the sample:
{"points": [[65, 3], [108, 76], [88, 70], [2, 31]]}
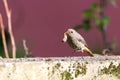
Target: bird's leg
{"points": [[77, 50], [82, 50]]}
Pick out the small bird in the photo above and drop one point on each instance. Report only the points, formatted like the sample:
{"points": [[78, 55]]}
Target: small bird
{"points": [[76, 41]]}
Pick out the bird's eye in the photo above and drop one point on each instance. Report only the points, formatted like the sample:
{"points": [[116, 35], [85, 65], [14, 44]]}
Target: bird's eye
{"points": [[71, 31]]}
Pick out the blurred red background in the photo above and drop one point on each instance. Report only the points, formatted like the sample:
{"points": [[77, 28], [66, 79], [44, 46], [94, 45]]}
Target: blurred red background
{"points": [[43, 22]]}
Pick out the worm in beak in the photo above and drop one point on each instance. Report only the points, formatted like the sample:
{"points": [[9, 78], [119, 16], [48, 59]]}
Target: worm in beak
{"points": [[64, 38]]}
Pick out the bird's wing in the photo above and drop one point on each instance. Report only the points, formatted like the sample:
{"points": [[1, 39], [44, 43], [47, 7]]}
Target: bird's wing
{"points": [[83, 41]]}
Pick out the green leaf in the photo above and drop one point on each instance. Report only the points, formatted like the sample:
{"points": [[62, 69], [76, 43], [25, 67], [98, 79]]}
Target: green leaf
{"points": [[88, 13], [86, 24], [105, 20], [100, 22], [97, 22], [77, 27], [95, 5]]}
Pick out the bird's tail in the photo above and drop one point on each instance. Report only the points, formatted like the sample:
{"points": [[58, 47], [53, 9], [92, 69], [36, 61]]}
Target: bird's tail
{"points": [[88, 51]]}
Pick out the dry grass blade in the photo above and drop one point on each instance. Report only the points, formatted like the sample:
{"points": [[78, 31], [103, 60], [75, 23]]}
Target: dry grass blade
{"points": [[8, 12], [3, 37], [25, 48]]}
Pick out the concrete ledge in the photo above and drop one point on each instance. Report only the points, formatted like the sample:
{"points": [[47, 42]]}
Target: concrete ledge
{"points": [[61, 68]]}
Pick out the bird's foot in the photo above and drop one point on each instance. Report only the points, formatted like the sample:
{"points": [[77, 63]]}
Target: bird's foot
{"points": [[77, 50]]}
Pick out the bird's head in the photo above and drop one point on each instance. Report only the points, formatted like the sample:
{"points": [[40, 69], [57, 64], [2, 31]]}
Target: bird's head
{"points": [[68, 33]]}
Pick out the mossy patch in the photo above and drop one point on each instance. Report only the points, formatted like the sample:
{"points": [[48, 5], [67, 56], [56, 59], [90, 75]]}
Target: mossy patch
{"points": [[56, 67], [48, 60], [112, 69], [66, 76], [80, 69]]}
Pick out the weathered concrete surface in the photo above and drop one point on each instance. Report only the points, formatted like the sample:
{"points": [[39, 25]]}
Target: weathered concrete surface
{"points": [[61, 68]]}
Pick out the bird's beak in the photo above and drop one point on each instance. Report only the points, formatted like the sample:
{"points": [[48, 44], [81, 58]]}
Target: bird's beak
{"points": [[64, 38]]}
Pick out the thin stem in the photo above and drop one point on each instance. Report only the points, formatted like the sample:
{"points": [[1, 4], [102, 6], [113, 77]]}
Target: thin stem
{"points": [[8, 12], [105, 39], [3, 37], [104, 32], [25, 48], [27, 52]]}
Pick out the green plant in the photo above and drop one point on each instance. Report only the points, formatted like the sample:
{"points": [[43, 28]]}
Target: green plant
{"points": [[96, 14]]}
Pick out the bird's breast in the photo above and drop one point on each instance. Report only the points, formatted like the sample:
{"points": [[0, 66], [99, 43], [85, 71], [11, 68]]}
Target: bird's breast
{"points": [[71, 43]]}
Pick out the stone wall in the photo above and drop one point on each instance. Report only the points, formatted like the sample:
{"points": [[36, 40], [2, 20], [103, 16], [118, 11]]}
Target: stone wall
{"points": [[61, 68]]}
